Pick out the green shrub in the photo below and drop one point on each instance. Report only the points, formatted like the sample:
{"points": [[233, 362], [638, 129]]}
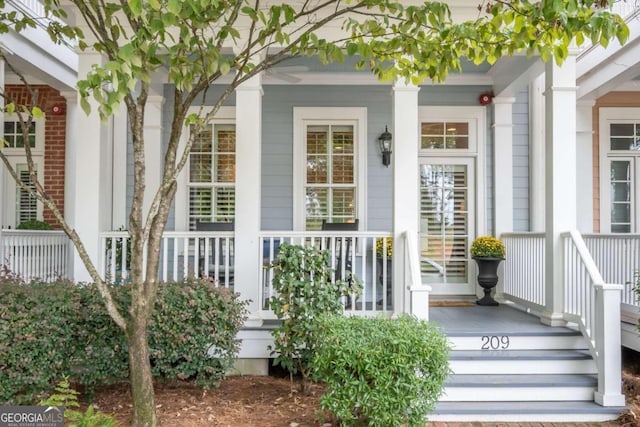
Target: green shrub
{"points": [[302, 281], [33, 224], [37, 336], [380, 372], [51, 331], [193, 332], [100, 356]]}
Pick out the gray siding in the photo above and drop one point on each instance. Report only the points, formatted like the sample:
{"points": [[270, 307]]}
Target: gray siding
{"points": [[521, 216], [277, 147]]}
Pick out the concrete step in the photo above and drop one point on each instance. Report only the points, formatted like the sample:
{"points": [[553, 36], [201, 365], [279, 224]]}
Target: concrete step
{"points": [[540, 411], [487, 388], [553, 339], [521, 361]]}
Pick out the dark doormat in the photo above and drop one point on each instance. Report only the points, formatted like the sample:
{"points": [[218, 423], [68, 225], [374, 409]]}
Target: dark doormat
{"points": [[451, 304]]}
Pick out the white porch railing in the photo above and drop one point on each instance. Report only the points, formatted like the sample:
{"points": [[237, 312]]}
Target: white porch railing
{"points": [[354, 251], [617, 257], [626, 9], [595, 307], [524, 281], [182, 254], [35, 255]]}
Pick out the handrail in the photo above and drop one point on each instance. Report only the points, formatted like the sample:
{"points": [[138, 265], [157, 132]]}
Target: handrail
{"points": [[595, 308]]}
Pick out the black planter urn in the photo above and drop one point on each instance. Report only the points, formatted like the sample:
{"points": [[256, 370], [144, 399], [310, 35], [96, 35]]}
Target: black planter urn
{"points": [[487, 278]]}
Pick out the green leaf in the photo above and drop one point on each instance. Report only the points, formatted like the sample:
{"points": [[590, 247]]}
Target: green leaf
{"points": [[136, 7], [175, 6], [37, 112], [86, 107]]}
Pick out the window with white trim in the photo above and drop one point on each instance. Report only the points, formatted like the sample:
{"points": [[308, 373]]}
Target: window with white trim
{"points": [[620, 168], [18, 204], [212, 175], [328, 166]]}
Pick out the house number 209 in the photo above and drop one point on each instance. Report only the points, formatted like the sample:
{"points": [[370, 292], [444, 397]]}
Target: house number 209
{"points": [[494, 342]]}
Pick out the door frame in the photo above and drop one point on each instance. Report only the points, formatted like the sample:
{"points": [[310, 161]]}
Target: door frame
{"points": [[468, 287], [608, 115], [475, 154]]}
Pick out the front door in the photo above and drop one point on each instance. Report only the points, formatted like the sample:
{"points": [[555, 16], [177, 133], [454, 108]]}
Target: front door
{"points": [[446, 224], [451, 195]]}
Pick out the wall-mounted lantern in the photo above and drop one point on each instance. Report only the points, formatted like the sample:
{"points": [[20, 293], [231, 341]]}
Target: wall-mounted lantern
{"points": [[385, 146]]}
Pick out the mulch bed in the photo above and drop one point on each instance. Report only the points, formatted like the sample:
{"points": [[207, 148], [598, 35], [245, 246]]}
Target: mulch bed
{"points": [[268, 401]]}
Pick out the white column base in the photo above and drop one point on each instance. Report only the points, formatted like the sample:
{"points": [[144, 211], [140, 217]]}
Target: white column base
{"points": [[609, 399], [420, 301]]}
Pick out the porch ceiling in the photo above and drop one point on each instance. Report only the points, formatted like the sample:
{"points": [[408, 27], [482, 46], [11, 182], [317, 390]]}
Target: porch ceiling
{"points": [[40, 60], [617, 67]]}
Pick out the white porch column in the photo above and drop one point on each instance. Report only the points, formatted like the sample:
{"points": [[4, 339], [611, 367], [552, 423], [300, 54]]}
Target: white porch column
{"points": [[503, 171], [119, 212], [560, 179], [153, 152], [536, 153], [503, 164], [85, 195], [406, 204], [248, 180], [584, 162]]}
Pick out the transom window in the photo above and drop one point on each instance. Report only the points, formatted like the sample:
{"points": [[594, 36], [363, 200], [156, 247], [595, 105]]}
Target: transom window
{"points": [[444, 135], [624, 136], [212, 175]]}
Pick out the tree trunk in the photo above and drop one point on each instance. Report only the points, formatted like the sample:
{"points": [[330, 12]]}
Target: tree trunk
{"points": [[144, 407]]}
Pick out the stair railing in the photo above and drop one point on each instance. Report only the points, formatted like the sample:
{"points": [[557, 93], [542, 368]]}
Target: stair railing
{"points": [[413, 278], [524, 281], [595, 307]]}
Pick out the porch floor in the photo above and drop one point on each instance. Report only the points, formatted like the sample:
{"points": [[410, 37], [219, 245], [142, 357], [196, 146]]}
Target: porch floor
{"points": [[503, 319]]}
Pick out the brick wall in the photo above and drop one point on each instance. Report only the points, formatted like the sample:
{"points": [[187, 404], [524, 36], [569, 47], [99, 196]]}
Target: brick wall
{"points": [[54, 140]]}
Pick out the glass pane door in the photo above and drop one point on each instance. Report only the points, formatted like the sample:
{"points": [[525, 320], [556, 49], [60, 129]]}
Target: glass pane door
{"points": [[622, 213], [446, 224]]}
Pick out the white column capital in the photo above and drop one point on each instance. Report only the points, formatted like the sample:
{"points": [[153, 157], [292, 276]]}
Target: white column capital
{"points": [[586, 103], [252, 84], [70, 95], [504, 100], [155, 99], [402, 86]]}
